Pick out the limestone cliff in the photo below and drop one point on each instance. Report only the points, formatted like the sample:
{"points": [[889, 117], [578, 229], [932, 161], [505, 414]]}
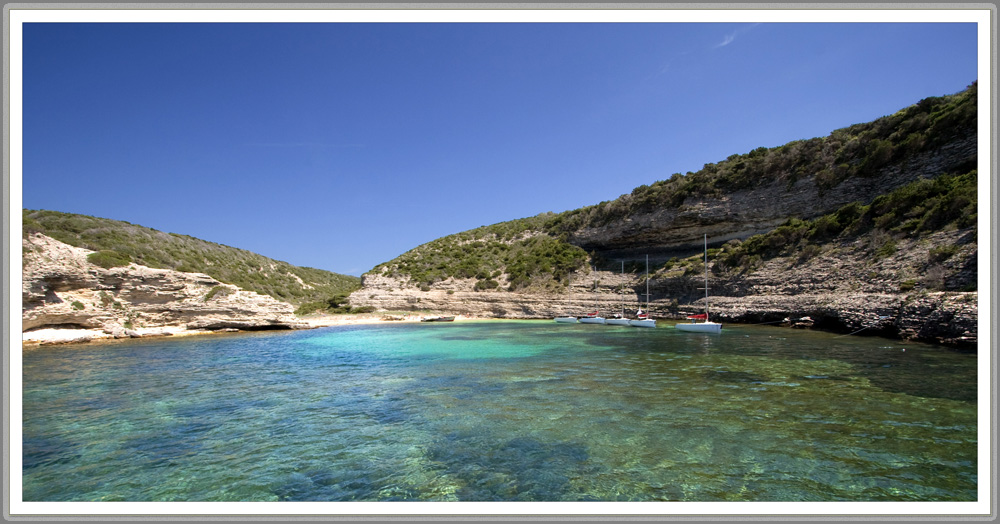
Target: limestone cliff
{"points": [[61, 289], [668, 231], [889, 248], [843, 288]]}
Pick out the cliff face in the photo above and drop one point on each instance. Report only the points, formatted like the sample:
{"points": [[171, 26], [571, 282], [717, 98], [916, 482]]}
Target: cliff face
{"points": [[61, 289], [668, 231], [843, 288]]}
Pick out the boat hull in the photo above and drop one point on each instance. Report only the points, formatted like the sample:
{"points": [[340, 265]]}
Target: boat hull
{"points": [[701, 327], [617, 321], [566, 320], [646, 323], [592, 320]]}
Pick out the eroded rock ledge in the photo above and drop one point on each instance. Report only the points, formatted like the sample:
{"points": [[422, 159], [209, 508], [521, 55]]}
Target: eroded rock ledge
{"points": [[843, 289], [65, 298]]}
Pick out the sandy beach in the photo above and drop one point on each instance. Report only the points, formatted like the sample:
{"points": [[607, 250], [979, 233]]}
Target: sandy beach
{"points": [[50, 336]]}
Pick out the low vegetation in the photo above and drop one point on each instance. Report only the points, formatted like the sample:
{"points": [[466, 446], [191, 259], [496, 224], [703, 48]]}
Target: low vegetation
{"points": [[336, 305], [924, 206], [118, 243], [532, 253], [108, 259], [856, 151], [517, 253], [220, 291]]}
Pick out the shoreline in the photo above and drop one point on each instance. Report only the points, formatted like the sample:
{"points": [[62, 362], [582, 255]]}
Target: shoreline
{"points": [[61, 336]]}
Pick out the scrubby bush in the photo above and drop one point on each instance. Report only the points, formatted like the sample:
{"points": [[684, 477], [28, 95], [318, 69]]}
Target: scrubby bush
{"points": [[486, 285], [108, 259], [217, 290], [941, 253], [335, 305]]}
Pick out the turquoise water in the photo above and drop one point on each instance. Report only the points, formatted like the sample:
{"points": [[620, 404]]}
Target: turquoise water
{"points": [[513, 411]]}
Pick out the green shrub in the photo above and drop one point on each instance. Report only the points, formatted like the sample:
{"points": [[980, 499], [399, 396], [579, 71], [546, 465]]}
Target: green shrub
{"points": [[335, 305], [217, 290], [77, 305], [809, 251], [486, 285], [887, 250], [310, 307], [941, 253], [108, 259]]}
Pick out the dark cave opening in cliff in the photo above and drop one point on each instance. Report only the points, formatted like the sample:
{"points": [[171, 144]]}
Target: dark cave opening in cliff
{"points": [[58, 326], [255, 328]]}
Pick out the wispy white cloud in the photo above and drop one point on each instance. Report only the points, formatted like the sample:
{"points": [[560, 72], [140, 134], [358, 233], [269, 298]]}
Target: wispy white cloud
{"points": [[731, 37], [302, 144]]}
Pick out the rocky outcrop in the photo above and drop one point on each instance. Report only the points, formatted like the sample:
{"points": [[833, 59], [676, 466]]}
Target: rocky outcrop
{"points": [[940, 317], [669, 231], [843, 288], [60, 289]]}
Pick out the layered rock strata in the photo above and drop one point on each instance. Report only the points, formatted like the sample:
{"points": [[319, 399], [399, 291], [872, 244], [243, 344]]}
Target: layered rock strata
{"points": [[843, 288], [63, 295], [669, 231]]}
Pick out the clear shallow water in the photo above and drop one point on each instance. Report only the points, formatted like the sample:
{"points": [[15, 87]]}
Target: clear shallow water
{"points": [[481, 411]]}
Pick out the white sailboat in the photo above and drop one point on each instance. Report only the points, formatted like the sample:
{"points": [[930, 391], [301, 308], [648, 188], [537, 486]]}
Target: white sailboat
{"points": [[706, 326], [642, 318], [595, 317], [619, 319]]}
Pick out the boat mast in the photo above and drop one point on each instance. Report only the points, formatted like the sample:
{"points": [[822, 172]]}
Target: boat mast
{"points": [[597, 302], [621, 290], [706, 277], [647, 286]]}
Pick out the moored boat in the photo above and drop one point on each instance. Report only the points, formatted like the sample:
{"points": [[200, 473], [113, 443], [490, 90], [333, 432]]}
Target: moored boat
{"points": [[642, 320], [700, 327], [595, 317], [619, 319], [707, 326], [642, 317], [592, 318], [438, 319]]}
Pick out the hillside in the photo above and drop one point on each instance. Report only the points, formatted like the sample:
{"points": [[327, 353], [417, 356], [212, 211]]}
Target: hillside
{"points": [[754, 192], [883, 208], [67, 296], [119, 243]]}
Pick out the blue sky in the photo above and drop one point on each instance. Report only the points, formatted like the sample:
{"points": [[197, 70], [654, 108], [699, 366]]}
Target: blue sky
{"points": [[340, 146]]}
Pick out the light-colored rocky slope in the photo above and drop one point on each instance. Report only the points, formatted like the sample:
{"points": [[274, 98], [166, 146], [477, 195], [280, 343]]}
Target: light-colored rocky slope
{"points": [[66, 298], [668, 231], [842, 288]]}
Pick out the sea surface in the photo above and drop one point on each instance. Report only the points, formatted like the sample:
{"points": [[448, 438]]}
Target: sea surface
{"points": [[501, 411]]}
